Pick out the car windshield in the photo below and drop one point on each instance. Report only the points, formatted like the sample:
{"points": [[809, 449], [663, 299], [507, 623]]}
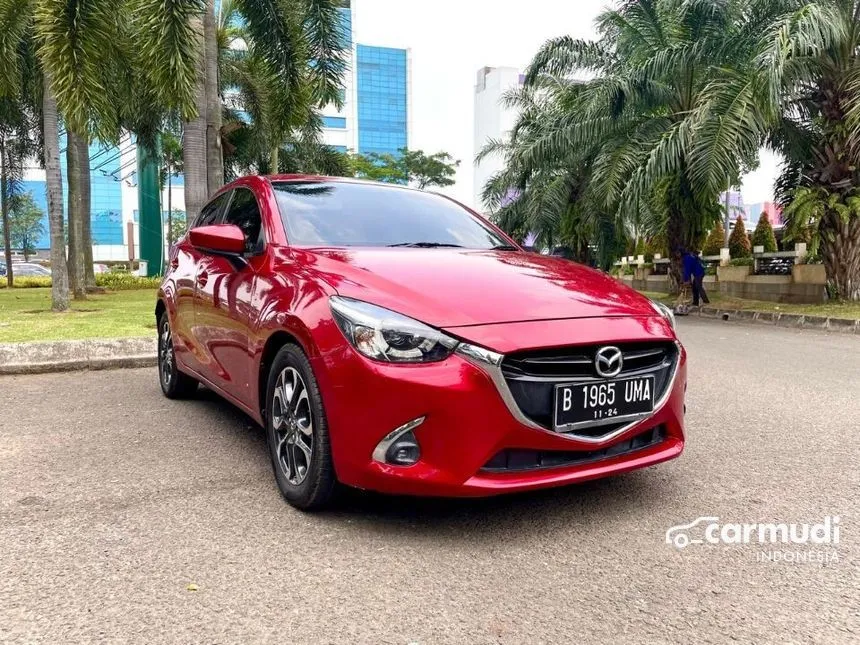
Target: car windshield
{"points": [[364, 214]]}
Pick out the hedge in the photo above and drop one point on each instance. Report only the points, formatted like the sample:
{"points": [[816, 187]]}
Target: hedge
{"points": [[763, 235], [114, 281]]}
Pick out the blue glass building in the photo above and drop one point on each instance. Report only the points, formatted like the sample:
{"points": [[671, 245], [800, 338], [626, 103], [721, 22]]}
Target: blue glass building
{"points": [[381, 83]]}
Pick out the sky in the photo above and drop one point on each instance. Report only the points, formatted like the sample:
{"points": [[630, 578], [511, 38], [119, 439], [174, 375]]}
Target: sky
{"points": [[452, 39]]}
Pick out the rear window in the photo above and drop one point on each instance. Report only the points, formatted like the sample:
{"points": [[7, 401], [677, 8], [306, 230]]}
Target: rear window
{"points": [[359, 214]]}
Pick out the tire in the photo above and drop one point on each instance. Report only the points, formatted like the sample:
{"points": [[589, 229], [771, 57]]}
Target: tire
{"points": [[297, 432], [174, 384]]}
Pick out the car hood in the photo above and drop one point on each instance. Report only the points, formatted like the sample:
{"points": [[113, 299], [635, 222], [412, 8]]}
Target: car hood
{"points": [[454, 287]]}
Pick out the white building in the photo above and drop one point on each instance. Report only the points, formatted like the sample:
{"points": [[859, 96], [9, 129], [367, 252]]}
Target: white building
{"points": [[492, 119]]}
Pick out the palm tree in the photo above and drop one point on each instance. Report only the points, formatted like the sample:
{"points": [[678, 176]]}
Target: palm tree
{"points": [[22, 76], [810, 60], [635, 104], [273, 64]]}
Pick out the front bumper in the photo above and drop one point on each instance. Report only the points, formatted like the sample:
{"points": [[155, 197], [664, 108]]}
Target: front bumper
{"points": [[468, 419]]}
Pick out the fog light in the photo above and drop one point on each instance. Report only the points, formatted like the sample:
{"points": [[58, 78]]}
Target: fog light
{"points": [[400, 446]]}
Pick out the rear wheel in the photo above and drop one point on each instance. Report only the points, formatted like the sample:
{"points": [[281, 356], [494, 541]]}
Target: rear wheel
{"points": [[174, 383], [297, 432]]}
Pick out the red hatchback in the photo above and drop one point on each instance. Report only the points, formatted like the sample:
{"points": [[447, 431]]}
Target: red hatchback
{"points": [[392, 339]]}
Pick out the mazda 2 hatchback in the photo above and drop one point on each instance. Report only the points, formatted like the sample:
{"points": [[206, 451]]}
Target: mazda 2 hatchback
{"points": [[392, 339]]}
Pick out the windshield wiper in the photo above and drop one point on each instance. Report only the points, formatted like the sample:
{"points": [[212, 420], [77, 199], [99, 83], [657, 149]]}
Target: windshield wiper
{"points": [[504, 247], [428, 245]]}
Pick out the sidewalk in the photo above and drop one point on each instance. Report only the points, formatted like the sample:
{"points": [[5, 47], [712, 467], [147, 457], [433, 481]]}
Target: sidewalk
{"points": [[66, 355], [829, 323]]}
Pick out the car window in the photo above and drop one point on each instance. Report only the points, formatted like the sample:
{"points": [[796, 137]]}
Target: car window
{"points": [[244, 212], [366, 214], [209, 214]]}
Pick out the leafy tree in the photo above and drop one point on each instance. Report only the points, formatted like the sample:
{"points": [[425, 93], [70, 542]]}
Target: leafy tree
{"points": [[739, 241], [178, 225], [25, 223], [763, 234], [716, 239], [406, 167], [171, 164]]}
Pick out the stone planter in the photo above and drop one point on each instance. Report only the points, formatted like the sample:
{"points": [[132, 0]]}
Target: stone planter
{"points": [[733, 274], [641, 273], [809, 274]]}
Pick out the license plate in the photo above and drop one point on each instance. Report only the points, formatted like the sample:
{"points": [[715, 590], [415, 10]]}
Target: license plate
{"points": [[601, 401]]}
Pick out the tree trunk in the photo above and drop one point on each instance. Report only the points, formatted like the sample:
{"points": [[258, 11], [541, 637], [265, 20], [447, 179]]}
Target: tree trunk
{"points": [[273, 160], [841, 255], [77, 275], [169, 217], [214, 159], [87, 212], [54, 182], [675, 242], [4, 209], [194, 139]]}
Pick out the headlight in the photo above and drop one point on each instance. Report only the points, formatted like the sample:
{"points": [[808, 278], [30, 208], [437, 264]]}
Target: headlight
{"points": [[385, 335], [664, 311]]}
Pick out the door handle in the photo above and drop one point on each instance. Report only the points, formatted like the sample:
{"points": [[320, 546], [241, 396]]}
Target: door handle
{"points": [[202, 277]]}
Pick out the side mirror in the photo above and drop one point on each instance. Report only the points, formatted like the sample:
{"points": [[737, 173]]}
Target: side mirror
{"points": [[220, 239]]}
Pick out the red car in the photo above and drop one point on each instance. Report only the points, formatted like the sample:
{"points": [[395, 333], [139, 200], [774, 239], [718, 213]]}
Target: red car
{"points": [[392, 339]]}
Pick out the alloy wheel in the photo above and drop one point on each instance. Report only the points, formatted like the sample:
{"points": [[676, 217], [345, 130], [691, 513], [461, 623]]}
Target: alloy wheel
{"points": [[166, 356], [293, 426]]}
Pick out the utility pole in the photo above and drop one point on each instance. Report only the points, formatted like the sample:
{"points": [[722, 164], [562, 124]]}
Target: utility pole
{"points": [[728, 219]]}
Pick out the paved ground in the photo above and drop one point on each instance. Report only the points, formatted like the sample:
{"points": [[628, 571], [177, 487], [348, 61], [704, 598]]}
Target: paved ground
{"points": [[114, 500]]}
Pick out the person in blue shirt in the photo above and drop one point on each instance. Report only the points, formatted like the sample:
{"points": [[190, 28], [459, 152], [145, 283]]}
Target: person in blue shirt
{"points": [[694, 273]]}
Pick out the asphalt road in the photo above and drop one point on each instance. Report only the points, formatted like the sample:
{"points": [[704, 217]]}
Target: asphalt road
{"points": [[114, 502]]}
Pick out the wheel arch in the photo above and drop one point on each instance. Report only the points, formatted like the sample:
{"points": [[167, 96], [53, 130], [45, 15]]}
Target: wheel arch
{"points": [[273, 345]]}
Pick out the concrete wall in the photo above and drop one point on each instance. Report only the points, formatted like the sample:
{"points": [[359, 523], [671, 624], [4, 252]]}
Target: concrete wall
{"points": [[804, 286]]}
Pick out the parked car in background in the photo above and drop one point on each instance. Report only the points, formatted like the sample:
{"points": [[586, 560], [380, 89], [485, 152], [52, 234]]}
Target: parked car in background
{"points": [[29, 269], [392, 339], [101, 268]]}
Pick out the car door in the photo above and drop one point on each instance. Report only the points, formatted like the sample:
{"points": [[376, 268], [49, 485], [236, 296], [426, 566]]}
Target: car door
{"points": [[223, 295], [184, 264]]}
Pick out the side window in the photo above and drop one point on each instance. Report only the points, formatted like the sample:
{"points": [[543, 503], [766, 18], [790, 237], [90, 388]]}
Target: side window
{"points": [[245, 213], [209, 214]]}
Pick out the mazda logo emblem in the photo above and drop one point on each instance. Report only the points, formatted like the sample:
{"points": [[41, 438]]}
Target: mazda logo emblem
{"points": [[608, 361]]}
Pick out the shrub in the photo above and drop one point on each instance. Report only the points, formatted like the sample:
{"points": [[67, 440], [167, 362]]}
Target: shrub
{"points": [[739, 243], [27, 282], [741, 262], [113, 281], [763, 235], [125, 281], [715, 240], [640, 247]]}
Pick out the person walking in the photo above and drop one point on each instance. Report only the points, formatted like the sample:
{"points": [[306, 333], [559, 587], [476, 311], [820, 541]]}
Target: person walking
{"points": [[694, 273]]}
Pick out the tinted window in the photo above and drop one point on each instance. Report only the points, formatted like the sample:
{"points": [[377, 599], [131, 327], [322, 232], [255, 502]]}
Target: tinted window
{"points": [[356, 214], [245, 213], [209, 214]]}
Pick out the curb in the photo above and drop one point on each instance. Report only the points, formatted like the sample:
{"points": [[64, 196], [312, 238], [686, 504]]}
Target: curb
{"points": [[69, 355], [795, 321]]}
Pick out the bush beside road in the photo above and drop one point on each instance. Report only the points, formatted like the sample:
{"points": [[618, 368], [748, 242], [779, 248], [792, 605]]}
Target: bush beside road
{"points": [[25, 315]]}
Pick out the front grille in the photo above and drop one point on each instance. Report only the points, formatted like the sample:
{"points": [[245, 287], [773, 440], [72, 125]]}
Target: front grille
{"points": [[532, 376], [510, 460]]}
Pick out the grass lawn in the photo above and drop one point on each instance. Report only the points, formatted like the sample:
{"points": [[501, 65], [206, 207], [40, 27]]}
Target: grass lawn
{"points": [[831, 309], [25, 314]]}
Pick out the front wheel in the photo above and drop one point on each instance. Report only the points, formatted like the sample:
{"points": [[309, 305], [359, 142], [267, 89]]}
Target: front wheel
{"points": [[297, 432], [174, 383]]}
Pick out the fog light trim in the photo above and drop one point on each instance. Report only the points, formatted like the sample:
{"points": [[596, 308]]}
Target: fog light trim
{"points": [[380, 453]]}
